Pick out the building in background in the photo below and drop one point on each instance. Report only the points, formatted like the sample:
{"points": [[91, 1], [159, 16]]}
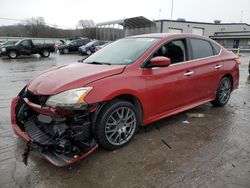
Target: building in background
{"points": [[230, 35]]}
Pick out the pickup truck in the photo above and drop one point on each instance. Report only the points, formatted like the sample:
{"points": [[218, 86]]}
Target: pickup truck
{"points": [[26, 47]]}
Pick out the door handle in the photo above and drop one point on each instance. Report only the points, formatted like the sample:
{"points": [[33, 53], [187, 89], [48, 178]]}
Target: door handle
{"points": [[189, 73], [218, 66]]}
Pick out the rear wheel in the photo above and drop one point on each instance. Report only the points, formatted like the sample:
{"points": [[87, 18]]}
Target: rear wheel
{"points": [[223, 92], [118, 123], [45, 53], [12, 54]]}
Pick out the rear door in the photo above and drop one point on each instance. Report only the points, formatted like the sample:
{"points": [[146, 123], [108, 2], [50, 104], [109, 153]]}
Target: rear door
{"points": [[170, 88], [207, 67]]}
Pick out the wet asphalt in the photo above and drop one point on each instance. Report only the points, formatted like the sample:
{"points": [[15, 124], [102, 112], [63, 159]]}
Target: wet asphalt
{"points": [[202, 147]]}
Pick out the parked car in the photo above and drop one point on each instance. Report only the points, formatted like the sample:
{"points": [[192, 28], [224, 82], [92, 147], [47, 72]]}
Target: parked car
{"points": [[72, 46], [89, 48], [69, 110], [9, 42], [101, 46], [26, 47]]}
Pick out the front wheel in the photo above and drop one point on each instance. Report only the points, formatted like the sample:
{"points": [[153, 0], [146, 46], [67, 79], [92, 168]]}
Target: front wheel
{"points": [[12, 54], [223, 92], [118, 123]]}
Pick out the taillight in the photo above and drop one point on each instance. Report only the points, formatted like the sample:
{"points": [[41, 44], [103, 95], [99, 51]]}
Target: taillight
{"points": [[238, 60]]}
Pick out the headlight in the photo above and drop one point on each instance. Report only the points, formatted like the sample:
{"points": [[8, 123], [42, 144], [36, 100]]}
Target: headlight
{"points": [[3, 49], [74, 97]]}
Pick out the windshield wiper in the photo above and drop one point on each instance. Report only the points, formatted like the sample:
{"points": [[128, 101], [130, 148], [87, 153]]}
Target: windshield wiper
{"points": [[98, 63]]}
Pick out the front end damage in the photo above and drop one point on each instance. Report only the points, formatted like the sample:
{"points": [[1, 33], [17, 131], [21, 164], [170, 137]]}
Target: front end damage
{"points": [[62, 136]]}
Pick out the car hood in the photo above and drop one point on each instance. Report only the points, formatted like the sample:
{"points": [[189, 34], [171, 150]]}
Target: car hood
{"points": [[66, 77], [6, 46], [61, 46]]}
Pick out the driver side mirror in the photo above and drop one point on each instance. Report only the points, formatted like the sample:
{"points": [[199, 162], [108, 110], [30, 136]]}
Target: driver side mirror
{"points": [[159, 61]]}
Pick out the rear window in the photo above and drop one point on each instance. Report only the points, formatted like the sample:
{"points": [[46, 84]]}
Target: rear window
{"points": [[201, 48], [216, 48]]}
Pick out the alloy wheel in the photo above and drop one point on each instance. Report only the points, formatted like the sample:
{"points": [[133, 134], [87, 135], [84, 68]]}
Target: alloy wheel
{"points": [[225, 91], [120, 126]]}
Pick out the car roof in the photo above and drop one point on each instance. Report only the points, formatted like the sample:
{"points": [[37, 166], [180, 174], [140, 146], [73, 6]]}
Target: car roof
{"points": [[168, 35]]}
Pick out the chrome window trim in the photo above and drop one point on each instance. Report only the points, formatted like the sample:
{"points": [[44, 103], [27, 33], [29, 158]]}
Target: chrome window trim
{"points": [[183, 61], [197, 59]]}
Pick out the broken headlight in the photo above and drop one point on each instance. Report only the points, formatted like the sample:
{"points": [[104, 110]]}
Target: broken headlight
{"points": [[70, 98]]}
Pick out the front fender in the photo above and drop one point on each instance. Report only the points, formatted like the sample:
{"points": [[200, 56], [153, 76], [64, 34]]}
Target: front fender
{"points": [[111, 87]]}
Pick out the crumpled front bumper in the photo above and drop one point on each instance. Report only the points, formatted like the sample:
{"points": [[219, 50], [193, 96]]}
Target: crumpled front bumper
{"points": [[53, 157]]}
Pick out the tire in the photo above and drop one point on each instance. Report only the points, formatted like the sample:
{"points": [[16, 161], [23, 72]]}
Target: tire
{"points": [[12, 54], [65, 51], [45, 53], [88, 52], [118, 123], [223, 92]]}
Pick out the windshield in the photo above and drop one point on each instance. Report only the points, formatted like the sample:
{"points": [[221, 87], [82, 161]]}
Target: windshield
{"points": [[122, 52]]}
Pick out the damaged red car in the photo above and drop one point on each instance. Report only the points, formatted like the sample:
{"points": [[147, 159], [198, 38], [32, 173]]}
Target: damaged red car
{"points": [[65, 112]]}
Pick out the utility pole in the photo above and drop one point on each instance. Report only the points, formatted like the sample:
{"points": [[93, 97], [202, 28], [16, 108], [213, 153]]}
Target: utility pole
{"points": [[172, 7], [171, 17], [159, 14], [241, 16]]}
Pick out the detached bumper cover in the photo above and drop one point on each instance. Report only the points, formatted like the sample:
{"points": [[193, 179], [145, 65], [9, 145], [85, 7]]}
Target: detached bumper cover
{"points": [[53, 157]]}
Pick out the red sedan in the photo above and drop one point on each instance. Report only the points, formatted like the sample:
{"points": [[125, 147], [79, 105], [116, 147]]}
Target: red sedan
{"points": [[66, 111]]}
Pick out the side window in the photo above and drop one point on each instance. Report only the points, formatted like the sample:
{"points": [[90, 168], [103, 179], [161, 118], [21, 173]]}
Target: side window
{"points": [[201, 48], [25, 43], [81, 42], [216, 48], [174, 50]]}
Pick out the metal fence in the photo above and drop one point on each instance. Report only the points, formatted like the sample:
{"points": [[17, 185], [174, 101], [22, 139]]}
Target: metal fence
{"points": [[239, 51]]}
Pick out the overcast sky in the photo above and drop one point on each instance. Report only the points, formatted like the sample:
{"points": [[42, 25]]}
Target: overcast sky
{"points": [[68, 12]]}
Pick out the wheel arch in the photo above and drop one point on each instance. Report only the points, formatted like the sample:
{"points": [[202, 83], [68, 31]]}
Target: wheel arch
{"points": [[126, 97], [135, 101], [11, 50]]}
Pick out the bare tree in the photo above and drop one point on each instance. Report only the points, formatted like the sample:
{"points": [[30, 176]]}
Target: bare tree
{"points": [[82, 24], [36, 27]]}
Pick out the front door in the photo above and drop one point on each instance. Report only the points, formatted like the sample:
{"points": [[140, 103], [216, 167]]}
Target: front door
{"points": [[25, 47], [170, 88]]}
